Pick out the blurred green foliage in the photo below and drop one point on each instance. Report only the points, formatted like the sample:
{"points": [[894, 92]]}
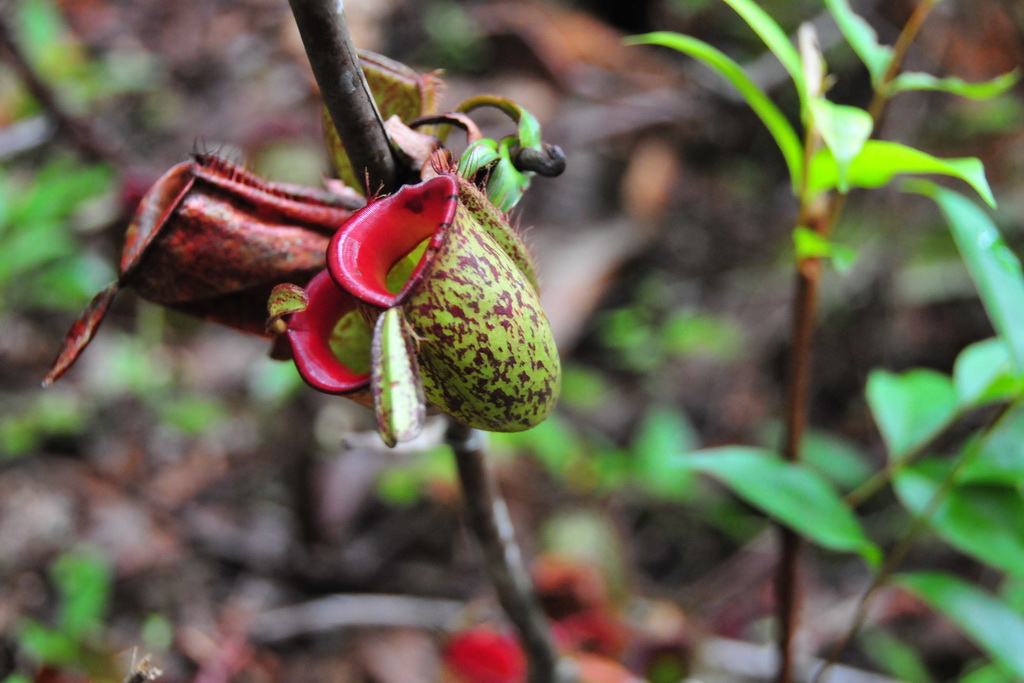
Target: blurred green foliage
{"points": [[82, 582], [83, 79], [42, 265], [969, 492]]}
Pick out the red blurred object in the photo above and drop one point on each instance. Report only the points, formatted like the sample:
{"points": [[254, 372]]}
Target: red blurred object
{"points": [[483, 655]]}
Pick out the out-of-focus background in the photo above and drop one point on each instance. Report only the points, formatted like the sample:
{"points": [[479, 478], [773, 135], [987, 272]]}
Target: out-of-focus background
{"points": [[180, 494]]}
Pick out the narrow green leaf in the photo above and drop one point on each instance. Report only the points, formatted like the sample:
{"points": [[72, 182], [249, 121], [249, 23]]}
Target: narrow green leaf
{"points": [[785, 136], [982, 521], [910, 408], [881, 161], [985, 373], [912, 80], [862, 38], [845, 130], [985, 619], [995, 269], [398, 400], [788, 492], [775, 38]]}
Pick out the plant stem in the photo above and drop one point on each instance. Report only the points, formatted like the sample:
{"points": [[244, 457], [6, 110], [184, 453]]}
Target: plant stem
{"points": [[819, 216], [489, 521], [879, 479], [896, 556], [345, 92], [899, 53]]}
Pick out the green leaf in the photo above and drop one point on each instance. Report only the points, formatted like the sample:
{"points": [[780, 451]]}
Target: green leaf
{"points": [[912, 80], [986, 620], [780, 129], [48, 645], [910, 408], [28, 250], [506, 184], [83, 580], [664, 436], [529, 130], [984, 373], [398, 400], [810, 244], [1000, 458], [989, 673], [790, 493], [982, 521], [193, 414], [775, 38], [862, 38], [287, 298], [583, 388], [845, 130], [995, 269], [478, 155], [894, 656], [58, 190], [836, 458], [881, 161]]}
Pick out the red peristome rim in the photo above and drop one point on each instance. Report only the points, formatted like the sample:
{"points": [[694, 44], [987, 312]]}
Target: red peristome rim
{"points": [[377, 236], [309, 332]]}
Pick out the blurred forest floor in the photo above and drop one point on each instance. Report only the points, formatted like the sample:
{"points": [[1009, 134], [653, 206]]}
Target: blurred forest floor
{"points": [[181, 494]]}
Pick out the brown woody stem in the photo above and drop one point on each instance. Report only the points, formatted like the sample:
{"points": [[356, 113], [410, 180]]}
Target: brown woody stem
{"points": [[345, 92], [489, 522], [787, 588], [819, 217]]}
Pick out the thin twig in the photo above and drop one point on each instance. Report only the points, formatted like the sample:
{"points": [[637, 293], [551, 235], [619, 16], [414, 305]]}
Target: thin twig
{"points": [[873, 484], [489, 521], [345, 92], [337, 612], [899, 53], [895, 558]]}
